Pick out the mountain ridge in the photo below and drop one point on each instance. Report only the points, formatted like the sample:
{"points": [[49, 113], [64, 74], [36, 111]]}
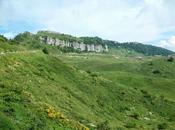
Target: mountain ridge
{"points": [[92, 44]]}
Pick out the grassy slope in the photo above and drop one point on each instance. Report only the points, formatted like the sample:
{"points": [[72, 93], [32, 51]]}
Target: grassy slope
{"points": [[39, 91], [5, 47], [131, 72]]}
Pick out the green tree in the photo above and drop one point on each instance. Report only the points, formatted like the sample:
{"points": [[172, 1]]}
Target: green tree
{"points": [[45, 50]]}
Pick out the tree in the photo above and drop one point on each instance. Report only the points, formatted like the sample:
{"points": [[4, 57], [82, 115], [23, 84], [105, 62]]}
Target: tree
{"points": [[2, 38], [170, 59], [45, 51]]}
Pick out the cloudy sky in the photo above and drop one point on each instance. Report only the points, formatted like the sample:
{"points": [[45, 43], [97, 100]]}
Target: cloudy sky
{"points": [[146, 21]]}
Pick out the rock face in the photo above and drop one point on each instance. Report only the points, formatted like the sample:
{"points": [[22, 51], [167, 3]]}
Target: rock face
{"points": [[75, 45]]}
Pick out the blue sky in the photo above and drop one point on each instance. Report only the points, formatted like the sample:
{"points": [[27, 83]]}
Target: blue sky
{"points": [[147, 21]]}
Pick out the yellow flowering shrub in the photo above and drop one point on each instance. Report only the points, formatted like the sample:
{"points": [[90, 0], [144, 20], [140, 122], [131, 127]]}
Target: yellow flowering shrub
{"points": [[52, 113]]}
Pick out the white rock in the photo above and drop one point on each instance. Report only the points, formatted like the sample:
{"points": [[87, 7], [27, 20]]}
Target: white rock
{"points": [[80, 46]]}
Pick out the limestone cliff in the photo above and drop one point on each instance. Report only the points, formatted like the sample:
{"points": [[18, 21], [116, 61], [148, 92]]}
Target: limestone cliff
{"points": [[75, 45]]}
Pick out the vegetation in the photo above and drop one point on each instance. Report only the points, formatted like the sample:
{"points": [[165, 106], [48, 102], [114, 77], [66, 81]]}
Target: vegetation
{"points": [[83, 91], [148, 50], [103, 126], [68, 50], [92, 40], [2, 39], [45, 50], [6, 123], [60, 36], [170, 59], [162, 126]]}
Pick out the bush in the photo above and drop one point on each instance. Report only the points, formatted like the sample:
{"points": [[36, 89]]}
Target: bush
{"points": [[156, 71], [162, 126], [103, 126], [130, 125], [36, 45], [151, 63], [170, 59], [135, 116], [94, 74], [69, 49], [88, 71], [3, 39], [45, 51], [6, 123]]}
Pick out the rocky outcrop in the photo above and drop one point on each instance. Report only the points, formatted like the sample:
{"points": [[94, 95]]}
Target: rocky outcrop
{"points": [[75, 45]]}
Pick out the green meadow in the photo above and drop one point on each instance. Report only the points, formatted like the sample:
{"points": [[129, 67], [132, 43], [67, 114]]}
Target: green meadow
{"points": [[121, 90]]}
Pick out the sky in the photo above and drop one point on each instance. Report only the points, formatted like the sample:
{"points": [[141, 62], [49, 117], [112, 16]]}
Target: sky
{"points": [[145, 21]]}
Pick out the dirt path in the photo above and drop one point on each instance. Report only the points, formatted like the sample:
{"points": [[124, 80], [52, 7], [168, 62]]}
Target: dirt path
{"points": [[18, 52]]}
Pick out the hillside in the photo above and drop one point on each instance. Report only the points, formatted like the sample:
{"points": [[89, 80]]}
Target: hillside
{"points": [[148, 50], [70, 43], [68, 91]]}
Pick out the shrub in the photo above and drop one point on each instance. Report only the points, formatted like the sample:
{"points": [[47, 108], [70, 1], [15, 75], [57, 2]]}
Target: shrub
{"points": [[36, 45], [6, 123], [3, 39], [2, 85], [130, 125], [45, 51], [170, 59], [162, 126], [103, 126], [88, 71], [151, 63], [11, 97], [156, 71], [100, 102], [68, 49], [135, 116]]}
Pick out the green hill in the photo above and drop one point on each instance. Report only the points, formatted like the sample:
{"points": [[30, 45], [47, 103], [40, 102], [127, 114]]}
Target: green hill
{"points": [[69, 91], [148, 50], [114, 46]]}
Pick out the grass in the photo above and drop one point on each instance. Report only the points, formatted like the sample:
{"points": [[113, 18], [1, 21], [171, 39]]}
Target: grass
{"points": [[82, 91], [131, 72]]}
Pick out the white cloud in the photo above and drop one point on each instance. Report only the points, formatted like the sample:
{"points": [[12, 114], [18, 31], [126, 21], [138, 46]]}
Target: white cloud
{"points": [[121, 20], [169, 44], [163, 43], [172, 40], [9, 35]]}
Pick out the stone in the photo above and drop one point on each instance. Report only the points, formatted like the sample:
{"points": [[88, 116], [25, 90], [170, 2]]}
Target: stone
{"points": [[75, 45]]}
